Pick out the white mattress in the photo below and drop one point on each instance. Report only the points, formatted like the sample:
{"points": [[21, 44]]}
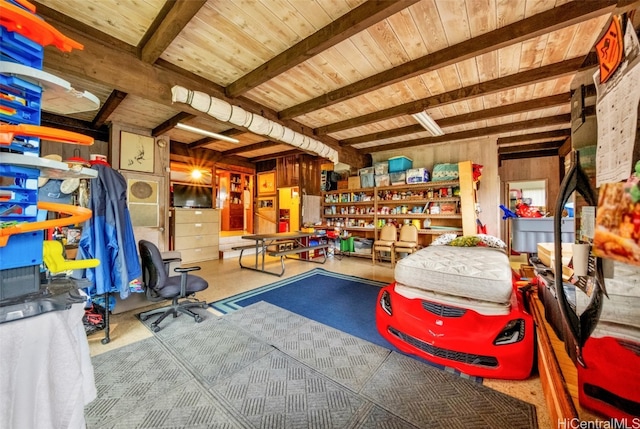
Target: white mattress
{"points": [[479, 273], [485, 308]]}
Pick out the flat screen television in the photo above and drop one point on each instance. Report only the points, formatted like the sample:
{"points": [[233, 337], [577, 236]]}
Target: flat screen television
{"points": [[192, 196]]}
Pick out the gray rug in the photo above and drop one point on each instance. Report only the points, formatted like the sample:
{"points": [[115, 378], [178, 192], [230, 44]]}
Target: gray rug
{"points": [[265, 367]]}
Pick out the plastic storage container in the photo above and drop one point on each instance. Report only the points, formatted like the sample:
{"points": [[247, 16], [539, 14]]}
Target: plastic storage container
{"points": [[399, 163], [381, 168], [528, 232]]}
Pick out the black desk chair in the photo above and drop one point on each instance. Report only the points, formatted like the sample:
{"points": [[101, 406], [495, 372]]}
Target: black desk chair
{"points": [[159, 286]]}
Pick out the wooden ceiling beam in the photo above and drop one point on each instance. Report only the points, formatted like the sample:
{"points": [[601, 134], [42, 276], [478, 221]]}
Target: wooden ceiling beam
{"points": [[535, 147], [541, 74], [276, 155], [170, 123], [208, 140], [181, 152], [543, 23], [353, 22], [524, 155], [167, 27], [546, 135], [113, 101], [66, 123], [480, 115], [250, 147], [480, 132]]}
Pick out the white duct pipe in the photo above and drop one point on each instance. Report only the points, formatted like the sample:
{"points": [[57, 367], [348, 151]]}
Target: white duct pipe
{"points": [[225, 112]]}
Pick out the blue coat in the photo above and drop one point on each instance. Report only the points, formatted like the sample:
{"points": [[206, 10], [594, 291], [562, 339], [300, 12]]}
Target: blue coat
{"points": [[108, 236]]}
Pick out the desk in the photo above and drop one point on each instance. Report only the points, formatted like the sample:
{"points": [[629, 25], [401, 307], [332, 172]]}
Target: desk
{"points": [[282, 244]]}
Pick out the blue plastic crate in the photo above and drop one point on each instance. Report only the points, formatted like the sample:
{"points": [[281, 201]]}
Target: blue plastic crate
{"points": [[22, 250], [19, 101], [18, 49], [24, 145], [22, 204], [399, 163]]}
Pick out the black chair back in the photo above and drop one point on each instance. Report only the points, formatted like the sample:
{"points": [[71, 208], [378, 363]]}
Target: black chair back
{"points": [[154, 275]]}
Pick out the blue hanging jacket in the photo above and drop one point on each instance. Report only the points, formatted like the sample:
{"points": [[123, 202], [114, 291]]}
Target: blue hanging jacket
{"points": [[108, 236]]}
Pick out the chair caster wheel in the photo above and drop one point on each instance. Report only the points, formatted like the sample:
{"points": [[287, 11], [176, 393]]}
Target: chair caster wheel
{"points": [[105, 340], [198, 319], [154, 327]]}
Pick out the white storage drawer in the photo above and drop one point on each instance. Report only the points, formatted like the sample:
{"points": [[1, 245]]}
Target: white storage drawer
{"points": [[196, 216], [194, 241], [188, 229], [199, 254]]}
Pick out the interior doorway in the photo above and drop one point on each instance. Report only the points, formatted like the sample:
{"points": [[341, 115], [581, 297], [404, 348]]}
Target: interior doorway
{"points": [[532, 192]]}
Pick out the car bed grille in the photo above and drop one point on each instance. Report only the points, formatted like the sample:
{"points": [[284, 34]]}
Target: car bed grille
{"points": [[468, 358], [443, 310]]}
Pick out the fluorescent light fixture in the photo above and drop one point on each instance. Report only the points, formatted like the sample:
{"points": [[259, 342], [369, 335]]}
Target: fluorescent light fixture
{"points": [[206, 133], [428, 123]]}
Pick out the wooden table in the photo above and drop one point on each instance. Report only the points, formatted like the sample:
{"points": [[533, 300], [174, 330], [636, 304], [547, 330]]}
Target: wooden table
{"points": [[281, 244]]}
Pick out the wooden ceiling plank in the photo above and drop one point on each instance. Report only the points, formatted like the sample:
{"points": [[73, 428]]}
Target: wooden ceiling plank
{"points": [[552, 71], [168, 29], [557, 134], [479, 132], [102, 63], [62, 22], [170, 123], [358, 19], [557, 18], [182, 153], [115, 98]]}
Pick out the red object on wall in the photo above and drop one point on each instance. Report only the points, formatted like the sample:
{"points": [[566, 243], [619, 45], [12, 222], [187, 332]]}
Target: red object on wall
{"points": [[610, 382], [283, 226]]}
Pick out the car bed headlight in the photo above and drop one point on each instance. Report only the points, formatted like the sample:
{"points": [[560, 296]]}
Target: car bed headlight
{"points": [[385, 303], [511, 333]]}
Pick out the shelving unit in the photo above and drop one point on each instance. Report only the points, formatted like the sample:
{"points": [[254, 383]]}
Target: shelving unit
{"points": [[365, 210], [233, 207]]}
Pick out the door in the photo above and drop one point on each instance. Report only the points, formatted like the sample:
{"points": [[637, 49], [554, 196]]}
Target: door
{"points": [[148, 205]]}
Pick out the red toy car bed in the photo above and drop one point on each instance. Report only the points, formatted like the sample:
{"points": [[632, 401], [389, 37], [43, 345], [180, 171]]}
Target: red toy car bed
{"points": [[459, 307]]}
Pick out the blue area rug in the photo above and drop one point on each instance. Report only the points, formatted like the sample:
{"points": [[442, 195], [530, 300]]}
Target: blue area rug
{"points": [[344, 302]]}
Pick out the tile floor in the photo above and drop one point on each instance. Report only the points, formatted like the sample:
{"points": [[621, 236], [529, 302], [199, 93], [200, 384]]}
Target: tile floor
{"points": [[226, 279]]}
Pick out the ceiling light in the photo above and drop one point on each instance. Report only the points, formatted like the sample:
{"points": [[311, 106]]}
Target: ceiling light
{"points": [[428, 123], [206, 133]]}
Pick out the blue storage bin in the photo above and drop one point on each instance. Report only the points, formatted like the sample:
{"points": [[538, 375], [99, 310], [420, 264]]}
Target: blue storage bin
{"points": [[18, 49], [399, 163], [22, 250], [20, 101]]}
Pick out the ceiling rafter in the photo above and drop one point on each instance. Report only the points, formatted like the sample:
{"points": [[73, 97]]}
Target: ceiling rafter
{"points": [[534, 147], [181, 152], [541, 74], [542, 23], [250, 147], [168, 27], [115, 98], [171, 123], [508, 109], [278, 155], [208, 140], [555, 134], [523, 155], [353, 22], [479, 132]]}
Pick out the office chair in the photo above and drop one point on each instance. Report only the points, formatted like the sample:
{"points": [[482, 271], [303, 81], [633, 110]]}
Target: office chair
{"points": [[408, 241], [386, 242], [159, 286]]}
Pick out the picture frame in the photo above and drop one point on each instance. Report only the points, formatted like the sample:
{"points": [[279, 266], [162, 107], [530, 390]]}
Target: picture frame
{"points": [[267, 183], [136, 152]]}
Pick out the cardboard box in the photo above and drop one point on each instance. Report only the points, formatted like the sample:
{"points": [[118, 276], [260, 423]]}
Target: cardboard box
{"points": [[354, 182], [546, 253], [417, 175], [343, 184]]}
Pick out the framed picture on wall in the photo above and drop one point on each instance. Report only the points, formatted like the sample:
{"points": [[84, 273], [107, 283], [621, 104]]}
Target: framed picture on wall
{"points": [[136, 152], [267, 183]]}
